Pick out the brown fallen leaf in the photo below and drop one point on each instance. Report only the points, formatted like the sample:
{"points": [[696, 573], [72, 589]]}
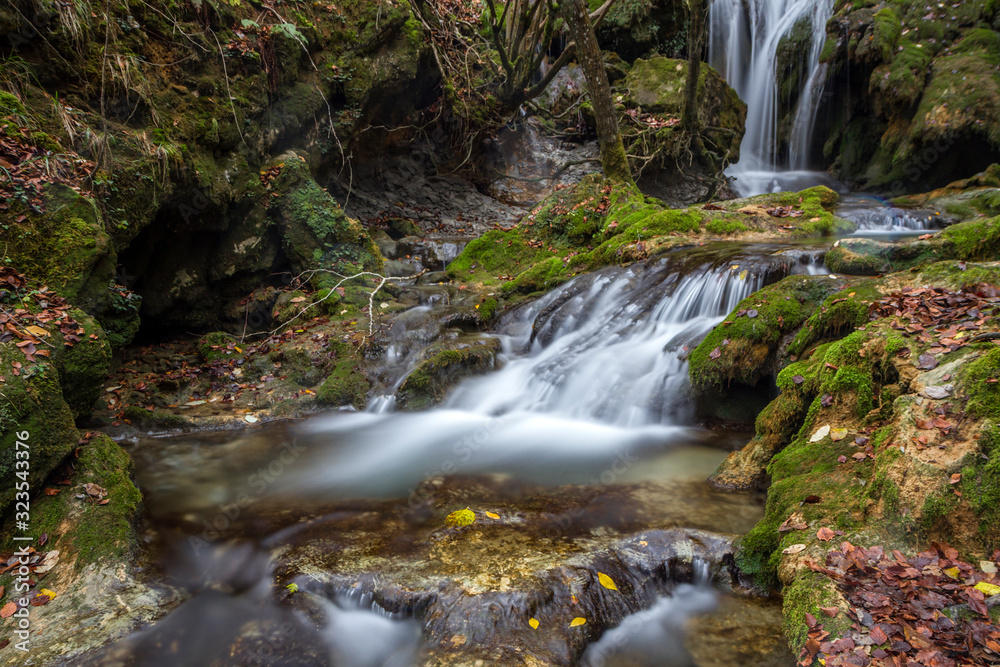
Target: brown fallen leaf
{"points": [[830, 611], [956, 478], [795, 522], [8, 610], [824, 534]]}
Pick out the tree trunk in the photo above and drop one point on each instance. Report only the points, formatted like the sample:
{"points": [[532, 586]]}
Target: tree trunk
{"points": [[696, 43], [589, 55]]}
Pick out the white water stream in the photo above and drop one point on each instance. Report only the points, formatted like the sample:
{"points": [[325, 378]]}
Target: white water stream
{"points": [[595, 373], [744, 36]]}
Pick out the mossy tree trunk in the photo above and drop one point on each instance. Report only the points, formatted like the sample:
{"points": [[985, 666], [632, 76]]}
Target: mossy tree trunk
{"points": [[613, 157], [696, 44]]}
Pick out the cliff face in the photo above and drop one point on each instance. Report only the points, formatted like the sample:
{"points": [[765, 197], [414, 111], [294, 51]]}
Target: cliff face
{"points": [[913, 93]]}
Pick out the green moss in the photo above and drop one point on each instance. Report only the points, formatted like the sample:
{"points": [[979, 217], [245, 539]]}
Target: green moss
{"points": [[724, 226], [888, 30], [781, 308], [316, 233], [31, 403], [806, 594], [494, 254], [10, 104], [346, 384], [445, 365], [84, 366], [980, 486], [82, 528], [984, 396], [840, 312], [64, 247], [974, 239], [219, 346]]}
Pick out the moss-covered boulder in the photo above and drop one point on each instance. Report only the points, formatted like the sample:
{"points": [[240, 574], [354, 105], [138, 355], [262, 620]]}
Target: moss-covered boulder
{"points": [[65, 246], [83, 366], [315, 231], [973, 240], [598, 223], [445, 364], [90, 554], [653, 104], [882, 434], [32, 412], [744, 347], [919, 93], [347, 384]]}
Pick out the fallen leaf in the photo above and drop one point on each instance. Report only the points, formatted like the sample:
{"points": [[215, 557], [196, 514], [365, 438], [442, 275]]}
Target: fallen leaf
{"points": [[956, 478], [94, 490], [987, 588], [794, 549], [461, 518], [812, 500], [533, 622], [492, 515], [798, 379], [46, 591], [841, 459], [577, 621], [825, 534], [826, 401], [8, 610], [606, 581], [795, 522], [926, 362], [838, 434], [715, 354], [820, 433], [830, 611]]}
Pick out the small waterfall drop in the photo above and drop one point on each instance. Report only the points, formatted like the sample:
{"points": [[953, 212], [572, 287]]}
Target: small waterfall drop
{"points": [[594, 372], [744, 39]]}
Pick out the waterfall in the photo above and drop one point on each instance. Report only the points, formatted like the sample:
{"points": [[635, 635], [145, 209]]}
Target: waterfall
{"points": [[744, 36], [594, 374]]}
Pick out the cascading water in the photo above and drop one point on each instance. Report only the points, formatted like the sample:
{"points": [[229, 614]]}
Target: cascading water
{"points": [[744, 39], [594, 369]]}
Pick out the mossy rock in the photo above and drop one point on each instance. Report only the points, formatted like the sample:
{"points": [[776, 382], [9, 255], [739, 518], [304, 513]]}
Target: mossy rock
{"points": [[32, 403], [446, 364], [65, 248], [96, 532], [777, 310], [347, 384], [84, 366], [859, 257], [316, 233], [839, 314]]}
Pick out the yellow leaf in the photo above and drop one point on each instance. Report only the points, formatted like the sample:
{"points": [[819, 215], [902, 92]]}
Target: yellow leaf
{"points": [[460, 518], [743, 274], [577, 621], [37, 331], [838, 434], [492, 515], [52, 594], [239, 351], [533, 622], [987, 588], [606, 581], [852, 294], [952, 572]]}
